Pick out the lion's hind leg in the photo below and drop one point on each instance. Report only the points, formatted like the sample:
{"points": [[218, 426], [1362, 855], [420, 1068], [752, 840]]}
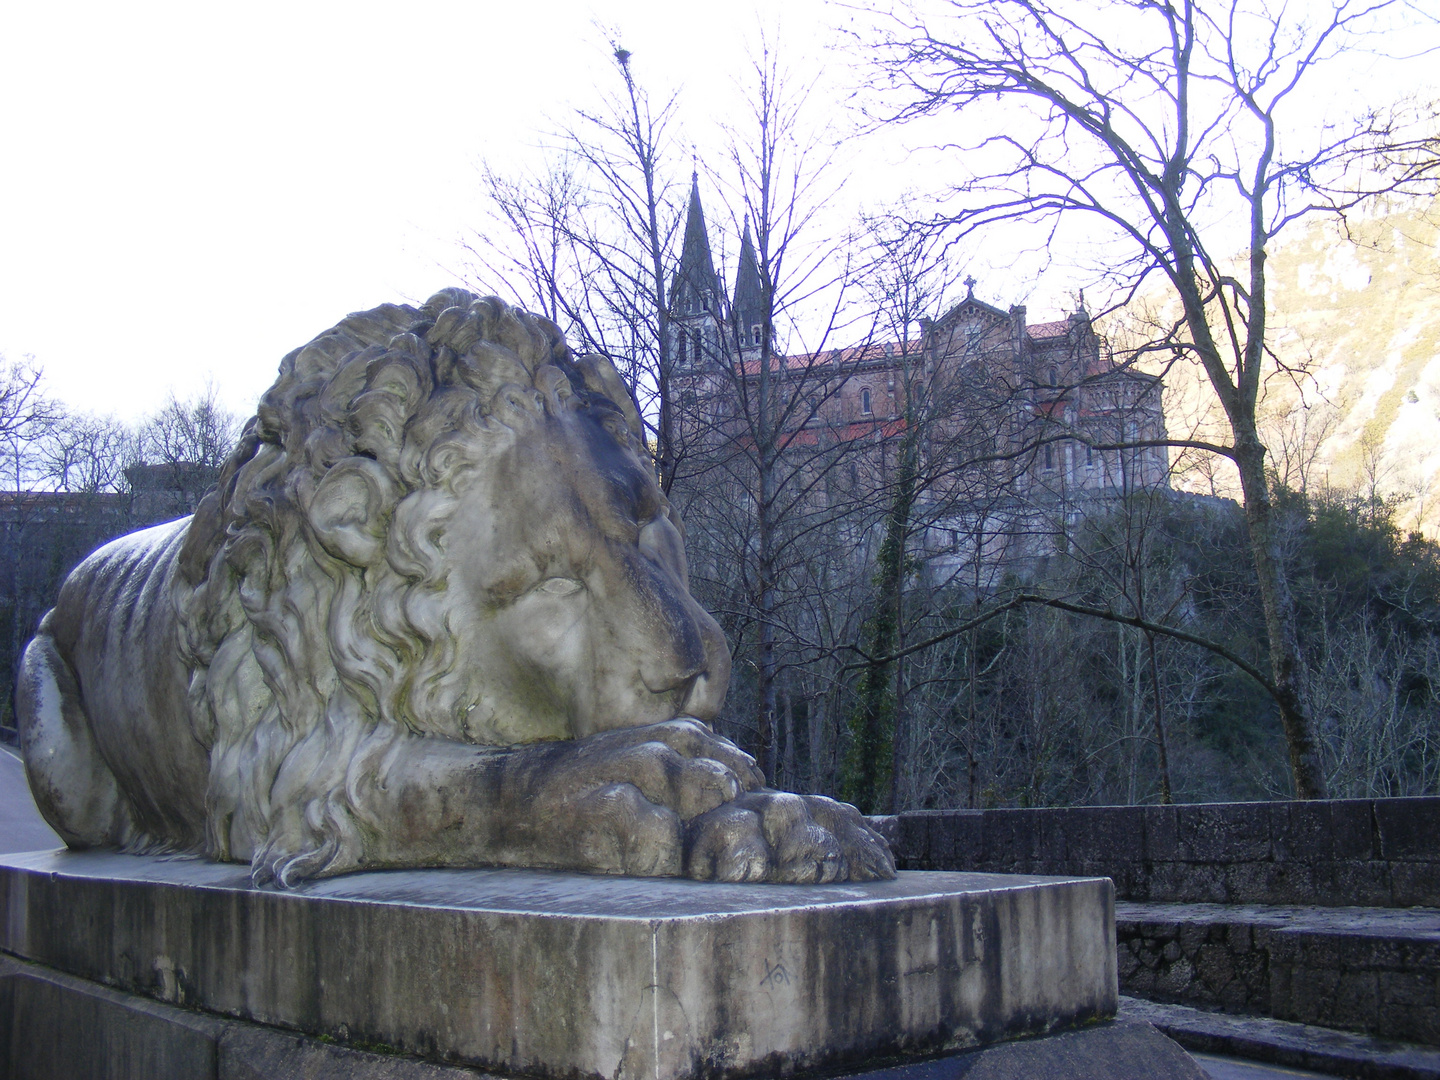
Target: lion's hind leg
{"points": [[73, 786]]}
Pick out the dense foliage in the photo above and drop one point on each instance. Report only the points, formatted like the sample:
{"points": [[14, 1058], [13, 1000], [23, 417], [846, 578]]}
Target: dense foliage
{"points": [[1039, 706]]}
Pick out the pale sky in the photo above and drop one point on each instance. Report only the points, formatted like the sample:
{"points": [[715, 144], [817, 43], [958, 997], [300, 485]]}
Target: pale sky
{"points": [[191, 190]]}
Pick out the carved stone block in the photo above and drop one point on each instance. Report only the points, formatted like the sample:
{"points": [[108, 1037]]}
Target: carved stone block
{"points": [[564, 975]]}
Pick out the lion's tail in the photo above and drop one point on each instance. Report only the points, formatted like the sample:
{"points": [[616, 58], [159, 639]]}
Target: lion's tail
{"points": [[73, 786]]}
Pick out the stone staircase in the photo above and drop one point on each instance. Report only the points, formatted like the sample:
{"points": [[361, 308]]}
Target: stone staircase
{"points": [[1302, 934], [1364, 969], [1280, 1042]]}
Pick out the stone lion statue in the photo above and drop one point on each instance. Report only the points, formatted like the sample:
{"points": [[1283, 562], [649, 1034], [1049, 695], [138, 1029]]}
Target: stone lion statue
{"points": [[435, 614]]}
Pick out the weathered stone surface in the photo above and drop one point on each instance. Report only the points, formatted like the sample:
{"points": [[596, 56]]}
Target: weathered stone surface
{"points": [[39, 1043], [51, 1026], [54, 1025], [437, 613], [570, 976]]}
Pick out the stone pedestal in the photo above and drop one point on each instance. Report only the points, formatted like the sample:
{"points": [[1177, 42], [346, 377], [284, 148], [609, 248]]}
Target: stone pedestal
{"points": [[568, 976]]}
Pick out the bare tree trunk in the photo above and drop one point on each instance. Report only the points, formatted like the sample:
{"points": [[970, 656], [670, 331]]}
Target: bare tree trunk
{"points": [[1131, 720], [766, 452], [645, 154], [972, 763], [788, 758], [1286, 666], [1162, 751]]}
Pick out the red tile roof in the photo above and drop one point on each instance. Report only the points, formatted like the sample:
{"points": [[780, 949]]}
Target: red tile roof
{"points": [[1058, 328], [856, 354]]}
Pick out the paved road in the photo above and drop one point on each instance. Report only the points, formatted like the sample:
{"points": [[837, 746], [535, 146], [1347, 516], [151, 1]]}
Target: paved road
{"points": [[21, 826], [1223, 1068]]}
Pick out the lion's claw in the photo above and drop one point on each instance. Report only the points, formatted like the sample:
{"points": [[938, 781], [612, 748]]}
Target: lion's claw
{"points": [[776, 836], [679, 764], [675, 798]]}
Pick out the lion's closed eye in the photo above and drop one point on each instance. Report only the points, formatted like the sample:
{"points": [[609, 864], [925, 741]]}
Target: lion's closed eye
{"points": [[560, 586]]}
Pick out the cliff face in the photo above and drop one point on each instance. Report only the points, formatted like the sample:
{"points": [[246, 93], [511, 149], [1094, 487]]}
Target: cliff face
{"points": [[1367, 310], [1356, 318]]}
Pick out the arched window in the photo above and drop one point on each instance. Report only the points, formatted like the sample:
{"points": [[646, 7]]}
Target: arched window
{"points": [[684, 341], [1049, 457], [865, 401], [695, 341]]}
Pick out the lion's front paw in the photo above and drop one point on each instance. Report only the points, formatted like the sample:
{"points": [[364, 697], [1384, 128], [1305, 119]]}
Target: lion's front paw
{"points": [[776, 836], [679, 764]]}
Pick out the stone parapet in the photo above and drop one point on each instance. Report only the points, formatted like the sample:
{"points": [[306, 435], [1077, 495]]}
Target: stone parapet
{"points": [[558, 975], [1339, 852]]}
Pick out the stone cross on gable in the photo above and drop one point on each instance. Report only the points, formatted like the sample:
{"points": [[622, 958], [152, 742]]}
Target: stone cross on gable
{"points": [[970, 284]]}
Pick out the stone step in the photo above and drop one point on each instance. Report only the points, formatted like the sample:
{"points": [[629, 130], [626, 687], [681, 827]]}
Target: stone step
{"points": [[1370, 970], [1281, 1042]]}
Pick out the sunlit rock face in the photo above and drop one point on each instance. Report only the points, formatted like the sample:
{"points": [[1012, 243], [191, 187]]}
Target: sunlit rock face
{"points": [[436, 614], [1354, 321]]}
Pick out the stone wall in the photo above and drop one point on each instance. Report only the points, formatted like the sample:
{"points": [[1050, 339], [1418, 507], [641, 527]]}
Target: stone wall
{"points": [[1374, 852], [1367, 971]]}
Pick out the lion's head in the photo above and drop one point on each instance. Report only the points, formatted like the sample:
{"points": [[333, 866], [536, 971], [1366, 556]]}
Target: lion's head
{"points": [[440, 521]]}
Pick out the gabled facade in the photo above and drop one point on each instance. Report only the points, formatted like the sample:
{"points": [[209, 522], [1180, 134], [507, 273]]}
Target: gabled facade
{"points": [[1073, 403]]}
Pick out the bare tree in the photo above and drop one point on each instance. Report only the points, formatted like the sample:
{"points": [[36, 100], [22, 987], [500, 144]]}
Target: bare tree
{"points": [[588, 242], [181, 448], [1167, 123], [773, 427], [904, 279], [27, 413], [529, 244], [196, 431], [86, 454]]}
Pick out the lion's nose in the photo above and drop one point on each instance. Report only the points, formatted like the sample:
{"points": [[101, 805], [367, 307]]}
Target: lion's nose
{"points": [[696, 667], [665, 674], [707, 692]]}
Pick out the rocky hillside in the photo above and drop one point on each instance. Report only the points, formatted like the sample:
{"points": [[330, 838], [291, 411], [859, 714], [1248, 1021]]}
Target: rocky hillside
{"points": [[1356, 319]]}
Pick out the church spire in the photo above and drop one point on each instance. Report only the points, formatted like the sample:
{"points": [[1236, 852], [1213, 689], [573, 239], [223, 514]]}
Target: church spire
{"points": [[693, 290], [749, 297]]}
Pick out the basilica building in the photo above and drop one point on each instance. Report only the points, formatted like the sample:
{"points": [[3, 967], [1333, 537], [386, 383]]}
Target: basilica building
{"points": [[1009, 418]]}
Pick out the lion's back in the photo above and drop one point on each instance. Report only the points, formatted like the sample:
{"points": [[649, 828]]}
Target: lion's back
{"points": [[114, 629]]}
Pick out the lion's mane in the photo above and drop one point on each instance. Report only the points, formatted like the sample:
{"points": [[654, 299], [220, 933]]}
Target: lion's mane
{"points": [[310, 657]]}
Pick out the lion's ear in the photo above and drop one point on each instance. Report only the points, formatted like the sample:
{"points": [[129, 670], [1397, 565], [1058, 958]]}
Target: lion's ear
{"points": [[350, 508], [602, 378]]}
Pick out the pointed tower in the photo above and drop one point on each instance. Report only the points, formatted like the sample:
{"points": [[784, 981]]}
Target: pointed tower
{"points": [[749, 297], [697, 303], [695, 290], [696, 299]]}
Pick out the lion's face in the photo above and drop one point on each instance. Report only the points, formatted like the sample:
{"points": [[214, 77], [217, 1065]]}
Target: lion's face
{"points": [[570, 602], [442, 528], [439, 523]]}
